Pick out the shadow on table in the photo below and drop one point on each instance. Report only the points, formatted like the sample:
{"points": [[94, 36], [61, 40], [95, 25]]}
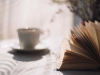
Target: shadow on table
{"points": [[29, 56], [80, 72]]}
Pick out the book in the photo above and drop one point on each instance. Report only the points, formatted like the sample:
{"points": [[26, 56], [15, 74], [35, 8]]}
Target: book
{"points": [[82, 49]]}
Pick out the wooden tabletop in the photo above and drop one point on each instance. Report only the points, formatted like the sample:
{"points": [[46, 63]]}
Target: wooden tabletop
{"points": [[33, 63]]}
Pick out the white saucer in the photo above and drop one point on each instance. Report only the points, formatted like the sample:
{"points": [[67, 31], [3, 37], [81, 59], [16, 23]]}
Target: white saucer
{"points": [[37, 48]]}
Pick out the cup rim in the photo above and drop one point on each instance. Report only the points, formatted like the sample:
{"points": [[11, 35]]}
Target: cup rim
{"points": [[27, 29]]}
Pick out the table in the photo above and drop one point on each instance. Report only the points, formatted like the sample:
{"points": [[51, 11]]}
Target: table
{"points": [[42, 63]]}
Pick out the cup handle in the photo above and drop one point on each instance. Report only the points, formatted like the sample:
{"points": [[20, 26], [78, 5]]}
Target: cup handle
{"points": [[45, 33]]}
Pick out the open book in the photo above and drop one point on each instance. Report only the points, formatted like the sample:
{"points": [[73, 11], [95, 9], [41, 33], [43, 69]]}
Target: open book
{"points": [[82, 49]]}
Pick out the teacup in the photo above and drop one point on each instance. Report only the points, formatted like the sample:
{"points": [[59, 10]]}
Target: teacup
{"points": [[29, 38]]}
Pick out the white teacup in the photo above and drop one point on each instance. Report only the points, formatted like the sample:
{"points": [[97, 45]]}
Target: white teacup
{"points": [[29, 38]]}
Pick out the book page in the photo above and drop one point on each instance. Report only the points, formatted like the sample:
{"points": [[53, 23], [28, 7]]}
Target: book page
{"points": [[65, 45], [75, 58], [96, 22], [70, 57], [97, 30], [77, 43], [85, 34], [69, 46], [90, 41], [93, 34], [77, 62], [85, 40], [81, 52]]}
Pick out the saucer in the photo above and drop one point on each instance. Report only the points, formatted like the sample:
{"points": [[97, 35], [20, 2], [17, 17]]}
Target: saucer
{"points": [[37, 48]]}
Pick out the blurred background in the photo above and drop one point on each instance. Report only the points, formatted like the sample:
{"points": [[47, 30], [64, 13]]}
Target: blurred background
{"points": [[43, 14]]}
